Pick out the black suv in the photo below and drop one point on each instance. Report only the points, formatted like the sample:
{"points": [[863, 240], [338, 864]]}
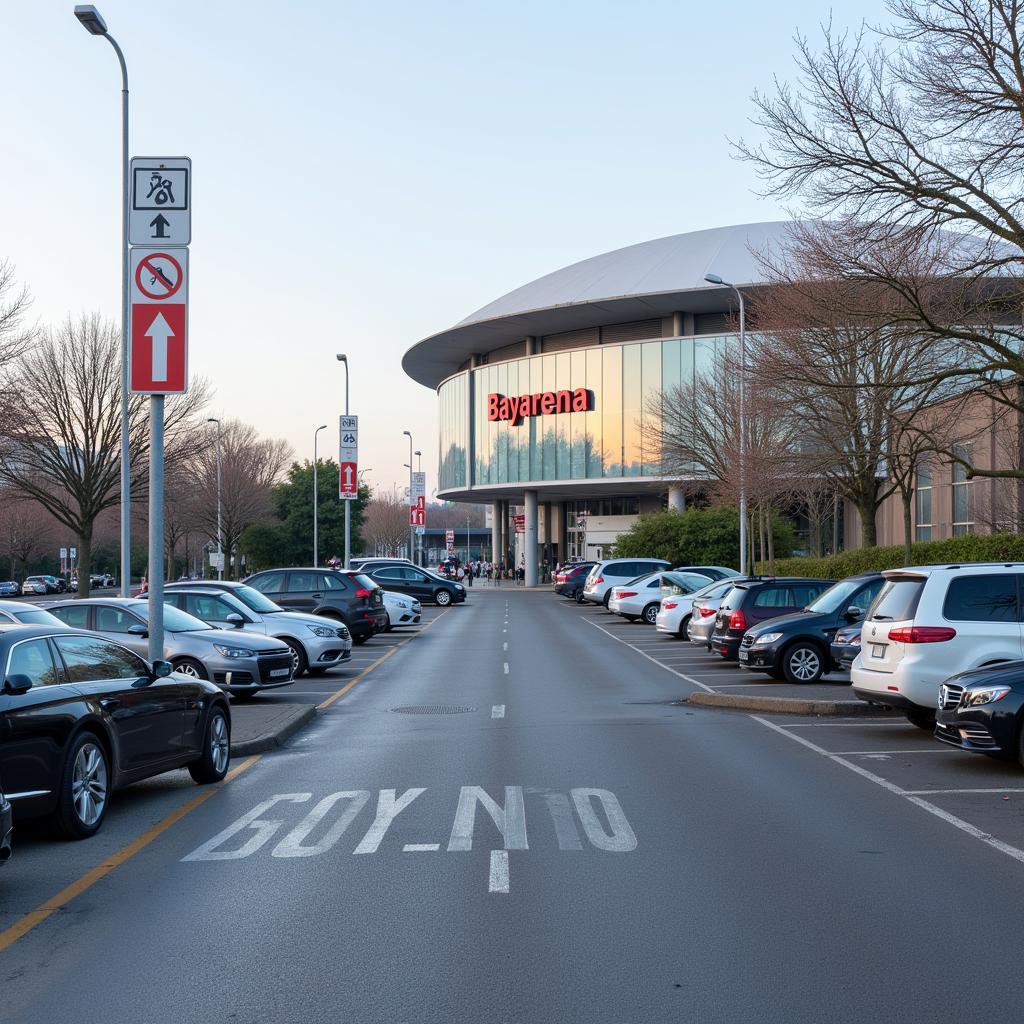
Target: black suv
{"points": [[423, 584], [338, 593], [748, 604], [797, 647]]}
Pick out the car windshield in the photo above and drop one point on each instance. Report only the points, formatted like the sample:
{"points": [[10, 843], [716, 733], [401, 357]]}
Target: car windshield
{"points": [[253, 599], [640, 579], [175, 620], [713, 591], [38, 617], [835, 597], [733, 597]]}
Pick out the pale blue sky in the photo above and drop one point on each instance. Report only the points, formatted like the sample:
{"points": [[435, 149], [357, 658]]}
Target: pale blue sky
{"points": [[368, 174]]}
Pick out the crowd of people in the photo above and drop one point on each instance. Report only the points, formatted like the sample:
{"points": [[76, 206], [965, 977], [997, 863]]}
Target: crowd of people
{"points": [[479, 569]]}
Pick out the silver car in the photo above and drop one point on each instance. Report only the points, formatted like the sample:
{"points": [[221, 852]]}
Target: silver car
{"points": [[702, 618], [402, 609], [316, 642], [237, 662], [27, 614]]}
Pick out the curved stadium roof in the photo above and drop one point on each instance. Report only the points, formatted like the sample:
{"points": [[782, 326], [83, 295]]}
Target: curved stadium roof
{"points": [[639, 282]]}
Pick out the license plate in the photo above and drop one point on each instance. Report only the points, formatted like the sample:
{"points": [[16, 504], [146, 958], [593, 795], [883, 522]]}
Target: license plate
{"points": [[878, 650], [744, 655], [277, 673]]}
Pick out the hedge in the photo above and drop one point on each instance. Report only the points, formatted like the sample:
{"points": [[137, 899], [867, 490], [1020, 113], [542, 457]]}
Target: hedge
{"points": [[996, 547]]}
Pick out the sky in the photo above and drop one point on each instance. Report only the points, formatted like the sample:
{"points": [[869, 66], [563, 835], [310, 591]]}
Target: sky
{"points": [[365, 175]]}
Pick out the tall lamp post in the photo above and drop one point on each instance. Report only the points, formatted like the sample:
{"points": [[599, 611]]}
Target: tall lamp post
{"points": [[715, 279], [220, 546], [412, 556], [419, 536], [316, 495], [94, 24], [342, 358]]}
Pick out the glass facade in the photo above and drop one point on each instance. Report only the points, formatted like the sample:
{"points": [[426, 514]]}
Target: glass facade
{"points": [[612, 439]]}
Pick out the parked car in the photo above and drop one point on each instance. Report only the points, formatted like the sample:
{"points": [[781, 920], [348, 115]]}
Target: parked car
{"points": [[796, 647], [10, 588], [241, 663], [36, 585], [748, 604], [934, 621], [713, 572], [982, 711], [83, 716], [641, 598], [401, 609], [24, 614], [360, 564], [339, 594], [615, 571], [845, 646], [569, 580], [419, 583], [6, 827], [316, 643], [677, 606]]}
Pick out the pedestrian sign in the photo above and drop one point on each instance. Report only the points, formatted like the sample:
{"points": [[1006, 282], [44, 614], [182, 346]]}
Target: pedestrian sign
{"points": [[160, 205]]}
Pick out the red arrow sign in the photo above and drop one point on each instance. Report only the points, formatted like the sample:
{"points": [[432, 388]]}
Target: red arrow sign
{"points": [[157, 354], [348, 479]]}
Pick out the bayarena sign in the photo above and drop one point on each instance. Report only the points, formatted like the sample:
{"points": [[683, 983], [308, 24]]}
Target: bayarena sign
{"points": [[516, 409]]}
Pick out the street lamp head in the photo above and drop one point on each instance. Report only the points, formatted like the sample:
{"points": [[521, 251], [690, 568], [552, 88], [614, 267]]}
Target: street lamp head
{"points": [[323, 426], [417, 452], [407, 434], [713, 279], [341, 357], [91, 19]]}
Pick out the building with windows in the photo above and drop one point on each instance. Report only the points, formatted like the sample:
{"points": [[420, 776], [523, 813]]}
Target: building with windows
{"points": [[544, 394]]}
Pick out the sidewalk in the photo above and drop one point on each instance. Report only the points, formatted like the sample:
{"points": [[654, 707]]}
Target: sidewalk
{"points": [[257, 727]]}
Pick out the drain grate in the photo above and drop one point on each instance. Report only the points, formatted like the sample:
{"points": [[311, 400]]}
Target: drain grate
{"points": [[433, 709]]}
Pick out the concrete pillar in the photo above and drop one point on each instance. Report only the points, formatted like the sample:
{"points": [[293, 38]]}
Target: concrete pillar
{"points": [[532, 345], [502, 555], [678, 329], [495, 529], [676, 499], [530, 537]]}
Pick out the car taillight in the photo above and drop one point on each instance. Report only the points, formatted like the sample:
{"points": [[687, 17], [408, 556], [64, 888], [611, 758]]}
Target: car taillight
{"points": [[625, 593], [669, 604], [363, 592], [600, 579], [921, 634], [737, 620], [706, 611]]}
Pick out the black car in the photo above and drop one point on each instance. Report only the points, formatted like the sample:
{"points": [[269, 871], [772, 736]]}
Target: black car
{"points": [[983, 710], [6, 827], [570, 579], [797, 647], [82, 716], [845, 646], [342, 594], [428, 587], [748, 604]]}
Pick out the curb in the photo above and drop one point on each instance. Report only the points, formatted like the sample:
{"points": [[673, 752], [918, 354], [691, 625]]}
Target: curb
{"points": [[277, 738], [784, 705]]}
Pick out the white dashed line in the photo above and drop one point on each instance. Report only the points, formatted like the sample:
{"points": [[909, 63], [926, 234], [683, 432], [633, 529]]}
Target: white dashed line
{"points": [[499, 871], [421, 847], [506, 668], [504, 646], [498, 711]]}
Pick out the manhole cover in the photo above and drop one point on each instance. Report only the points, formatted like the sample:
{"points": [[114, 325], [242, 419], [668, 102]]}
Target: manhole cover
{"points": [[433, 709]]}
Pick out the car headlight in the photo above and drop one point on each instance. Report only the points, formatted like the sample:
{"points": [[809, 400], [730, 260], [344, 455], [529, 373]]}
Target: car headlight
{"points": [[458, 586], [765, 638], [988, 695], [322, 630], [232, 652]]}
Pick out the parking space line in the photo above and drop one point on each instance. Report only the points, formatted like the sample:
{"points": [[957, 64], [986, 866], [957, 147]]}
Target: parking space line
{"points": [[911, 797], [852, 724], [919, 750], [660, 664], [499, 871], [421, 847], [920, 792]]}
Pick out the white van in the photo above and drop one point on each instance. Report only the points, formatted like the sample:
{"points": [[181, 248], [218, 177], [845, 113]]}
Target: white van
{"points": [[931, 622]]}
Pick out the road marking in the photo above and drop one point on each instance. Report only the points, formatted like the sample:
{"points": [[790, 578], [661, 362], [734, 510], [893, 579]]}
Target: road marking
{"points": [[561, 816], [874, 722], [891, 787], [510, 819], [36, 917], [919, 750], [504, 646], [388, 808], [421, 847], [919, 792], [506, 668], [660, 664], [499, 871], [498, 711]]}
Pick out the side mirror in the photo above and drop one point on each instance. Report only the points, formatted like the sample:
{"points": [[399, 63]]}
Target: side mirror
{"points": [[162, 669], [235, 620], [138, 629], [17, 683], [854, 614]]}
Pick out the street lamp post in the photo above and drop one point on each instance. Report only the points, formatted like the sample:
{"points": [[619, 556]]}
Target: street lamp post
{"points": [[412, 556], [342, 358], [316, 545], [715, 279], [419, 536], [220, 541], [94, 24]]}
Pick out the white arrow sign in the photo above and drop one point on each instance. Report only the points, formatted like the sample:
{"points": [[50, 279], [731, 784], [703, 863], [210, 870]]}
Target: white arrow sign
{"points": [[348, 476], [159, 331]]}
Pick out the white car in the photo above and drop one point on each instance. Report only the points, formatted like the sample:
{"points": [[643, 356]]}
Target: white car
{"points": [[932, 622], [402, 610], [641, 598], [677, 605], [616, 571]]}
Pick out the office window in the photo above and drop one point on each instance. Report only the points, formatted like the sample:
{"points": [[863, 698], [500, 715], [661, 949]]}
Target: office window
{"points": [[963, 504], [923, 499]]}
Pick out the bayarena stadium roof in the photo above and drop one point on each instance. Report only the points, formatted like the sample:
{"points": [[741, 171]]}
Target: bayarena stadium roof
{"points": [[639, 282]]}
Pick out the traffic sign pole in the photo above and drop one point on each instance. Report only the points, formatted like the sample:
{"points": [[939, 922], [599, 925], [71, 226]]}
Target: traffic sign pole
{"points": [[156, 527]]}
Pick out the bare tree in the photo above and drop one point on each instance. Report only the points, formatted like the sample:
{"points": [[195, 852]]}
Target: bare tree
{"points": [[386, 521], [26, 531], [63, 449], [16, 336]]}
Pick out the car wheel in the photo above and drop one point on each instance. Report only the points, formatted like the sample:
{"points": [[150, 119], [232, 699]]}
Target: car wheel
{"points": [[803, 663], [84, 789], [190, 667], [299, 660], [578, 596], [650, 615], [923, 718], [683, 627], [442, 598], [359, 640], [607, 599], [212, 765]]}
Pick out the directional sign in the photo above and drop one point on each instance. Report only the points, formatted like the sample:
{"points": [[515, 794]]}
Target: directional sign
{"points": [[348, 480], [348, 457], [449, 540], [417, 516], [158, 345], [419, 486], [160, 211]]}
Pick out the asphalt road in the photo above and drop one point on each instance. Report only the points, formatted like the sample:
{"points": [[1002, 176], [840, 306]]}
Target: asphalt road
{"points": [[564, 844]]}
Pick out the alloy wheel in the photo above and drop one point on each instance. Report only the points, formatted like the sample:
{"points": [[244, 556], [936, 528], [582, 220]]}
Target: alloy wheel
{"points": [[220, 749], [804, 664], [188, 669], [89, 784], [651, 614], [443, 598]]}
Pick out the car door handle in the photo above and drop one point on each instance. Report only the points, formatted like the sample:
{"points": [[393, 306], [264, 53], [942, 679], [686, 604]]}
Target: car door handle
{"points": [[318, 596], [109, 702]]}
